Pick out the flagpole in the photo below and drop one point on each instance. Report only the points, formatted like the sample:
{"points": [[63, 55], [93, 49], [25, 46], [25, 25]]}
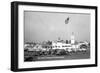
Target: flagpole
{"points": [[66, 23]]}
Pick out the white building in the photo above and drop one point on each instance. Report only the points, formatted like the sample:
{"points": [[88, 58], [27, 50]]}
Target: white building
{"points": [[68, 47], [61, 45]]}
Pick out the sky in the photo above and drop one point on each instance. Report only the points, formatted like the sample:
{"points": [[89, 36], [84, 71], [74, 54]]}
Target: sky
{"points": [[43, 26]]}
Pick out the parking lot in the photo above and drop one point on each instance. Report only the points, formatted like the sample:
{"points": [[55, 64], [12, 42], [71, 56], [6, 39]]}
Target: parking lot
{"points": [[37, 56]]}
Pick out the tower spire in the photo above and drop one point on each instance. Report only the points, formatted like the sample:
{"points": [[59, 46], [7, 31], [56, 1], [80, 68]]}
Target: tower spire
{"points": [[72, 38]]}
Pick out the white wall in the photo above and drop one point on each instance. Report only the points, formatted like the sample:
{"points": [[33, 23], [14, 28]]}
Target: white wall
{"points": [[5, 17]]}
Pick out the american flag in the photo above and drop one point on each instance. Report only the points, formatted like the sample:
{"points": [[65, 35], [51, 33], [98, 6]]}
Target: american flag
{"points": [[67, 20]]}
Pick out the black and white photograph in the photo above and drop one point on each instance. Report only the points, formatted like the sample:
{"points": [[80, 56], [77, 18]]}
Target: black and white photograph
{"points": [[56, 36], [52, 36]]}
